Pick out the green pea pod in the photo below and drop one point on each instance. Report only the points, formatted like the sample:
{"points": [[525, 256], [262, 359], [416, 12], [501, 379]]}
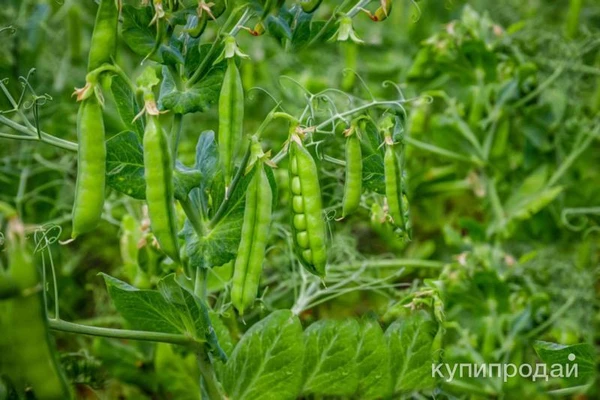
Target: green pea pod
{"points": [[104, 37], [231, 117], [27, 354], [395, 190], [353, 182], [91, 167], [158, 167], [309, 6], [307, 209], [383, 11], [255, 235]]}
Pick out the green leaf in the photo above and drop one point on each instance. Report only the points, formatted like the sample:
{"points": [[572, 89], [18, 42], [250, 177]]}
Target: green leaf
{"points": [[177, 373], [373, 171], [373, 362], [130, 363], [330, 366], [171, 309], [267, 363], [278, 28], [185, 180], [583, 355], [125, 168], [198, 98], [140, 35], [220, 244], [410, 344], [125, 165], [127, 105]]}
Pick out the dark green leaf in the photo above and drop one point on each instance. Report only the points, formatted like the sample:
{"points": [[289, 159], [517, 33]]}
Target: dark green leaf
{"points": [[127, 105], [373, 362], [583, 355], [410, 343], [198, 98], [125, 165], [330, 366], [171, 309], [267, 363]]}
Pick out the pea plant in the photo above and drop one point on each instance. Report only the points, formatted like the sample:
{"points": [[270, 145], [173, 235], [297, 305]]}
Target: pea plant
{"points": [[220, 210], [236, 221]]}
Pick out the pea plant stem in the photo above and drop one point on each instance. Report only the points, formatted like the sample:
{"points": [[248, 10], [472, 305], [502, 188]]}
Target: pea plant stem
{"points": [[69, 327], [31, 134], [211, 52], [211, 384]]}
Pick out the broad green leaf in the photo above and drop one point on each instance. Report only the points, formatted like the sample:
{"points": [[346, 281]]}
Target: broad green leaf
{"points": [[197, 98], [130, 363], [177, 374], [278, 28], [125, 168], [410, 344], [330, 366], [171, 309], [184, 180], [125, 165], [583, 355], [225, 339], [267, 363], [373, 172], [373, 362], [127, 105], [220, 244], [140, 35]]}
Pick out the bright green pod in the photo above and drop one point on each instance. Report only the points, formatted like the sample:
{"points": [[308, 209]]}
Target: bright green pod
{"points": [[393, 191], [254, 239], [315, 258], [27, 353], [91, 167], [309, 6], [103, 45], [353, 182], [231, 118], [158, 171]]}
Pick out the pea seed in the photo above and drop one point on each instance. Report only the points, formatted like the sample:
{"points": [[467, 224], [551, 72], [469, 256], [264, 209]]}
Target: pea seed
{"points": [[307, 255], [296, 187], [300, 222], [298, 204], [302, 239]]}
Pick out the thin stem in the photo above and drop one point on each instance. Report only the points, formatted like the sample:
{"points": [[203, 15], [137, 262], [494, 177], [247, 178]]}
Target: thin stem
{"points": [[211, 384], [392, 263], [176, 134], [32, 135], [354, 111], [201, 69], [329, 22], [358, 7], [565, 165], [441, 151], [64, 326]]}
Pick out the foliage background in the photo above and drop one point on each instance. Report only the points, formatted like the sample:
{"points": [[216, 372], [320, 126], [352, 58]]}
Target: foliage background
{"points": [[510, 225]]}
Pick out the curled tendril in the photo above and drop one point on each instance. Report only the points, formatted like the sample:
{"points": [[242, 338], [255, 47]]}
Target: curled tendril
{"points": [[416, 17], [388, 83], [591, 230], [11, 30], [46, 236], [263, 90], [295, 82], [579, 219]]}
